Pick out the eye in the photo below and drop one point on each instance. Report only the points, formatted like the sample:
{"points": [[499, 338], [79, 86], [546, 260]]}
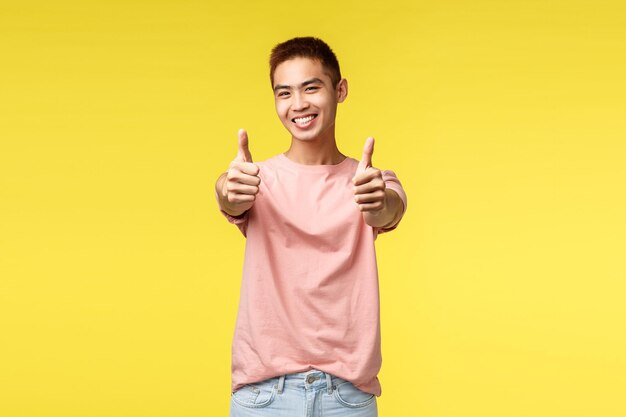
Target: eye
{"points": [[312, 88], [283, 93]]}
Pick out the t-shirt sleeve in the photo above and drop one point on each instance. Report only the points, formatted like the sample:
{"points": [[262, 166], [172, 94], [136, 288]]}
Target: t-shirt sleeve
{"points": [[392, 182], [240, 221]]}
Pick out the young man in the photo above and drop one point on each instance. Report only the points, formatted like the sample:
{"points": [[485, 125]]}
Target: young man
{"points": [[307, 335]]}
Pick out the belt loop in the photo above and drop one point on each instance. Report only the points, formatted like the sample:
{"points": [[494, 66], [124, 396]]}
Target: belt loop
{"points": [[329, 383], [281, 384]]}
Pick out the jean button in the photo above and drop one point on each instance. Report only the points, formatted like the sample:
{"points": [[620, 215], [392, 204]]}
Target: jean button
{"points": [[312, 378]]}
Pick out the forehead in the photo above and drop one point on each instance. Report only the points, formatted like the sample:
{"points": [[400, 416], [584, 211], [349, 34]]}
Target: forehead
{"points": [[296, 70]]}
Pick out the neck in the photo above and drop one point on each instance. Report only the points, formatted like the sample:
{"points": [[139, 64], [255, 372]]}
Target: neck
{"points": [[319, 151]]}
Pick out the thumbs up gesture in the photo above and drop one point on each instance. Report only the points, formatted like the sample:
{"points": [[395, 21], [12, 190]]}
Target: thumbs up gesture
{"points": [[241, 185], [369, 187]]}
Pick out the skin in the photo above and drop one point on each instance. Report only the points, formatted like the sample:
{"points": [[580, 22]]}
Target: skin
{"points": [[302, 87]]}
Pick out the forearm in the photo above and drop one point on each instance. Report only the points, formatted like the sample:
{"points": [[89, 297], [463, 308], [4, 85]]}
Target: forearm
{"points": [[389, 215]]}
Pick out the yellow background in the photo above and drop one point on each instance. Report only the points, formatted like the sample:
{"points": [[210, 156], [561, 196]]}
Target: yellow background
{"points": [[503, 289]]}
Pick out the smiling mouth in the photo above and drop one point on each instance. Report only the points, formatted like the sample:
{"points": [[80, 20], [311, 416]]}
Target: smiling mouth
{"points": [[304, 120]]}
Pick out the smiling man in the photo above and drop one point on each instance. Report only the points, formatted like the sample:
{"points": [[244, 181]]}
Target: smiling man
{"points": [[307, 335]]}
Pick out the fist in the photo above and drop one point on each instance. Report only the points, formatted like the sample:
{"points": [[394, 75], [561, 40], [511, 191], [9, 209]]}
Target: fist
{"points": [[369, 186], [242, 178]]}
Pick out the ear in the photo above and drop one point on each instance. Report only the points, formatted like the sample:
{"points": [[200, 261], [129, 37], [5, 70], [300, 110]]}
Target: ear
{"points": [[342, 90]]}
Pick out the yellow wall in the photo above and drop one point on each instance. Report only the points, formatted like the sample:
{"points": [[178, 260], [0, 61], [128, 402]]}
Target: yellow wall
{"points": [[502, 290]]}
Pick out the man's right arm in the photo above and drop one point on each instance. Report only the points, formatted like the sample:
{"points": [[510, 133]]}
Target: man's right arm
{"points": [[236, 189], [235, 208]]}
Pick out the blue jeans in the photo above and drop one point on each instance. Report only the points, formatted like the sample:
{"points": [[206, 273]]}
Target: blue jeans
{"points": [[304, 394]]}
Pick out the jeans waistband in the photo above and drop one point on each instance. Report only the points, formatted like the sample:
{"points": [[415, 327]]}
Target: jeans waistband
{"points": [[313, 379]]}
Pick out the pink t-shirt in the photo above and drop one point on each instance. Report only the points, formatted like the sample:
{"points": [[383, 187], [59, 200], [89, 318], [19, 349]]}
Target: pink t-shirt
{"points": [[309, 293]]}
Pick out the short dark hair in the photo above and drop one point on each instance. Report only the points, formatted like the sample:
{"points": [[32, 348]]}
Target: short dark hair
{"points": [[306, 47]]}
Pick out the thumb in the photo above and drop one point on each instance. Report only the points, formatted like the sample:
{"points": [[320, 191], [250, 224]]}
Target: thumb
{"points": [[366, 159], [243, 153]]}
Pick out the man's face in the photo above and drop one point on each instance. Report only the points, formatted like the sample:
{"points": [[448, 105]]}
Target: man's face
{"points": [[305, 99]]}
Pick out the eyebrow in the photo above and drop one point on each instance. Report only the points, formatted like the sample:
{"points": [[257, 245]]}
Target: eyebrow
{"points": [[304, 84]]}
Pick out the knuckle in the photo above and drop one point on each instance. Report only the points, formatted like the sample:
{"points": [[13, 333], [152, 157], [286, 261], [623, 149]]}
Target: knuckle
{"points": [[250, 167]]}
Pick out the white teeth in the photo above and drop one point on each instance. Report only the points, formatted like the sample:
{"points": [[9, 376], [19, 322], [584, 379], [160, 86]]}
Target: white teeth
{"points": [[304, 120]]}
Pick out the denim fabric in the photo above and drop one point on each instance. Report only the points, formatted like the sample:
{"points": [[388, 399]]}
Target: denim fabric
{"points": [[304, 394]]}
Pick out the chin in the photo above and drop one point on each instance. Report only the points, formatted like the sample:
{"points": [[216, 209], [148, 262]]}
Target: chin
{"points": [[299, 135], [304, 138]]}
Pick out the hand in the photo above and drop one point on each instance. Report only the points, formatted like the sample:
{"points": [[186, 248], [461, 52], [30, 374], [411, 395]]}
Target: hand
{"points": [[242, 178], [369, 186]]}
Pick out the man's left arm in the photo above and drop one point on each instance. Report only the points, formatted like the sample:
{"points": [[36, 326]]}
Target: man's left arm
{"points": [[380, 198], [379, 194], [389, 215]]}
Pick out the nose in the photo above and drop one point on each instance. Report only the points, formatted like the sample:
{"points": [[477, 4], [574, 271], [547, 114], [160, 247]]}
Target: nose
{"points": [[299, 102]]}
